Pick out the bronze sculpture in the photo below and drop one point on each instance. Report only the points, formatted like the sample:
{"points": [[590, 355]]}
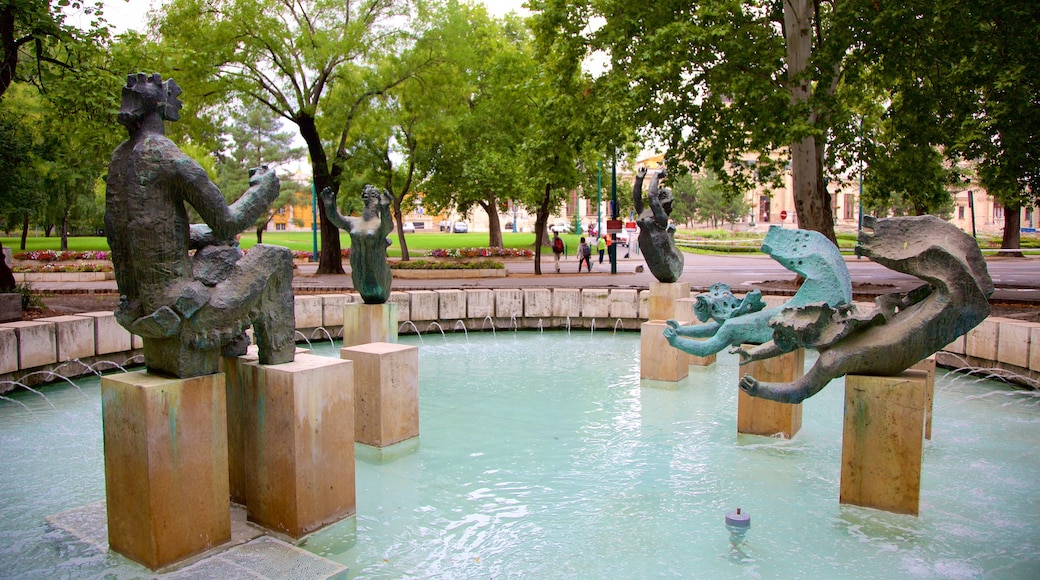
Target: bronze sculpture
{"points": [[656, 235], [903, 328], [369, 270], [189, 309], [733, 323]]}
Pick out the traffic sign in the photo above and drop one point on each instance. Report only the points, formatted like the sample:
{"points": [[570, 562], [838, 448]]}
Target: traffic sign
{"points": [[783, 215]]}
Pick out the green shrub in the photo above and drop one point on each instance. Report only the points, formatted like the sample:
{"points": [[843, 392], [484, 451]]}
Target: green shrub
{"points": [[30, 300]]}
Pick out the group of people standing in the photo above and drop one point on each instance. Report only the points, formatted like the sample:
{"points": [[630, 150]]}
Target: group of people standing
{"points": [[584, 252]]}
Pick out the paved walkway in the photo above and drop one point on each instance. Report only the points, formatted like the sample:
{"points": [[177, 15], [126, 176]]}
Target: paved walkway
{"points": [[1017, 279]]}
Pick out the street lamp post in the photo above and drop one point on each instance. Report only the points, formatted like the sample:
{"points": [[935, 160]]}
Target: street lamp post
{"points": [[613, 210], [314, 222], [599, 200]]}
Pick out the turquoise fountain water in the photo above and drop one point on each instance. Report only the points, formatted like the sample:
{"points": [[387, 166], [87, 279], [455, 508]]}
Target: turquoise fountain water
{"points": [[542, 455]]}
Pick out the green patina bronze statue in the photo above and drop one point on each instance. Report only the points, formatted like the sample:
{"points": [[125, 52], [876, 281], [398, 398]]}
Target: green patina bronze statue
{"points": [[189, 309], [369, 270], [729, 322], [656, 235]]}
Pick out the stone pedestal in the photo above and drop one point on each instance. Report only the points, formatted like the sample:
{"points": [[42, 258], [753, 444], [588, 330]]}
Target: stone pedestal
{"points": [[365, 323], [10, 307], [882, 441], [658, 360], [236, 383], [299, 444], [928, 366], [386, 403], [663, 297], [166, 482], [757, 416]]}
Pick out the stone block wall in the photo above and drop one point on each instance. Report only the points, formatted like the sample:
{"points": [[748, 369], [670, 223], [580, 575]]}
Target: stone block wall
{"points": [[75, 345]]}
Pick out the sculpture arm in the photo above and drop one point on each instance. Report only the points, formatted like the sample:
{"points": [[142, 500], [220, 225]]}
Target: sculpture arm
{"points": [[706, 347], [695, 330], [386, 220], [655, 204], [328, 200], [760, 352], [637, 191], [226, 221]]}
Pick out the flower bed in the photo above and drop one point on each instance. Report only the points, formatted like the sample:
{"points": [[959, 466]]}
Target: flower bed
{"points": [[428, 265], [58, 268], [458, 253], [56, 256]]}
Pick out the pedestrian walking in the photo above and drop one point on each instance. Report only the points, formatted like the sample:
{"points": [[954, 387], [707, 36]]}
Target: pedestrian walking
{"points": [[584, 254], [557, 248], [601, 246]]}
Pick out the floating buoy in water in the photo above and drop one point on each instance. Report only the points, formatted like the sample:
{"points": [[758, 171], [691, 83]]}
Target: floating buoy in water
{"points": [[738, 519]]}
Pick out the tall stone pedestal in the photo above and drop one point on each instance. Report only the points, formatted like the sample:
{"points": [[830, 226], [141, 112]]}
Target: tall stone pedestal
{"points": [[882, 441], [663, 297], [365, 323], [166, 469], [757, 416], [928, 366], [299, 444], [237, 381], [386, 379], [658, 360]]}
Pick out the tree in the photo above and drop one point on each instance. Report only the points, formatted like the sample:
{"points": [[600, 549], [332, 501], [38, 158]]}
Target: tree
{"points": [[68, 119], [19, 196], [709, 199], [485, 108], [716, 80], [256, 140], [289, 56], [575, 122], [35, 31]]}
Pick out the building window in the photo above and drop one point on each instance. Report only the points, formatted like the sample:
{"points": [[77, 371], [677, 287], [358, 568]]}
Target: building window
{"points": [[850, 206], [998, 212], [279, 227], [960, 212]]}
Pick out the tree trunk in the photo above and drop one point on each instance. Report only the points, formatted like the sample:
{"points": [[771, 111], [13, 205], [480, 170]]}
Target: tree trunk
{"points": [[494, 223], [811, 200], [398, 217], [1012, 238], [540, 222], [65, 230], [10, 47], [25, 229], [7, 281], [330, 260]]}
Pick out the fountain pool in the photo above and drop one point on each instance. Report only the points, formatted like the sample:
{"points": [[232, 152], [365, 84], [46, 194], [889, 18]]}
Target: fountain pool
{"points": [[543, 455]]}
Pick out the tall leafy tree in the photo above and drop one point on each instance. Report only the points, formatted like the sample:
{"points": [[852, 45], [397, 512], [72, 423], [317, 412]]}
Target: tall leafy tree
{"points": [[289, 56], [34, 34], [576, 123], [475, 159], [961, 87], [257, 139], [716, 79], [706, 199]]}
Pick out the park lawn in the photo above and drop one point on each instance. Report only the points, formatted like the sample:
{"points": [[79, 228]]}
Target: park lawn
{"points": [[418, 243]]}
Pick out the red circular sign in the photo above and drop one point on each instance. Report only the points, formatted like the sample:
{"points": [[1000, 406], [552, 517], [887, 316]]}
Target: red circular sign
{"points": [[783, 215]]}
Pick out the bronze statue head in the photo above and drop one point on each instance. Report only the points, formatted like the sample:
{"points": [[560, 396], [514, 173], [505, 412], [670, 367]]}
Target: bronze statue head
{"points": [[144, 95]]}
